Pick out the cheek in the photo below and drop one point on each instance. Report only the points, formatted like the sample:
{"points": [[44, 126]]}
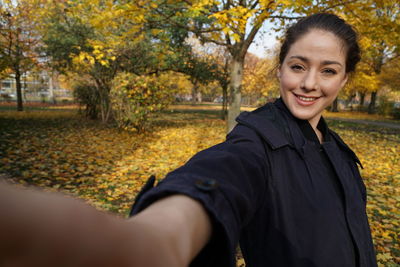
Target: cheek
{"points": [[333, 89], [287, 83]]}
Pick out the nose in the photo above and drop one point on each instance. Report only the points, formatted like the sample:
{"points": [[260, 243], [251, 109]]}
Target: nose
{"points": [[310, 81]]}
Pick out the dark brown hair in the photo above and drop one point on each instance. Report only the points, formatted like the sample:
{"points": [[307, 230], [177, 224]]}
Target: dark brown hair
{"points": [[326, 22]]}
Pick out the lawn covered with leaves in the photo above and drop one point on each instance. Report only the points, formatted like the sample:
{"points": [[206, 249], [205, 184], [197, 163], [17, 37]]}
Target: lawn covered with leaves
{"points": [[59, 150]]}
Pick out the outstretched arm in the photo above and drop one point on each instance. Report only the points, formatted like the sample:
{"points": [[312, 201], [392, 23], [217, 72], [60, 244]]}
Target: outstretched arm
{"points": [[178, 225], [42, 229]]}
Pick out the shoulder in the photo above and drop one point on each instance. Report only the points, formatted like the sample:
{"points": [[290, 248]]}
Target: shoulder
{"points": [[264, 124]]}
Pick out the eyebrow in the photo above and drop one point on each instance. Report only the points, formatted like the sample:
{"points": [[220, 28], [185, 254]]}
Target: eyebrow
{"points": [[325, 62]]}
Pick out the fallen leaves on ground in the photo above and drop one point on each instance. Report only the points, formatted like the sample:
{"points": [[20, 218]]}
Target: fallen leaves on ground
{"points": [[356, 115], [58, 150]]}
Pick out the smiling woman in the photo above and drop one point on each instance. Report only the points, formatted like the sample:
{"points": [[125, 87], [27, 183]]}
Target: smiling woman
{"points": [[283, 186], [312, 75]]}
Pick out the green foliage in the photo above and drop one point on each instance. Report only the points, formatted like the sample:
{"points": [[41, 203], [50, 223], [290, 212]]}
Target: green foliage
{"points": [[139, 58], [63, 39], [198, 67], [134, 98], [87, 95], [387, 108]]}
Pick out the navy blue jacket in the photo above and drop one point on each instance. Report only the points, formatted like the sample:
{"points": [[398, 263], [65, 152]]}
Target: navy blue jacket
{"points": [[267, 187]]}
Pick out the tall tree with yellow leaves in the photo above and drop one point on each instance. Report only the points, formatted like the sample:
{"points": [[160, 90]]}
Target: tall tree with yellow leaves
{"points": [[259, 78], [19, 40], [95, 39], [378, 22], [391, 74], [232, 24]]}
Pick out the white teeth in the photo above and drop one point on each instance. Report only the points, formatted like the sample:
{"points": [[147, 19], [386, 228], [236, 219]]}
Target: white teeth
{"points": [[307, 98]]}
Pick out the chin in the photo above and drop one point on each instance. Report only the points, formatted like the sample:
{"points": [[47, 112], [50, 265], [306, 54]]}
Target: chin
{"points": [[305, 113], [304, 116]]}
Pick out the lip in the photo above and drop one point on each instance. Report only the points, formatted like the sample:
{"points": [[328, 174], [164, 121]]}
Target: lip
{"points": [[305, 100]]}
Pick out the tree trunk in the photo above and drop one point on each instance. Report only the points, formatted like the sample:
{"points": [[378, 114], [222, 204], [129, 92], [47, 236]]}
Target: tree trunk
{"points": [[24, 97], [51, 88], [199, 97], [105, 105], [224, 102], [349, 101], [235, 86], [362, 99], [372, 104], [195, 89], [105, 108], [19, 90], [334, 107]]}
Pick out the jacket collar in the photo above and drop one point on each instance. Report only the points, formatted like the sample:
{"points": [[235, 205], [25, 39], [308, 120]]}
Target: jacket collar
{"points": [[270, 123], [264, 121], [278, 127], [297, 136]]}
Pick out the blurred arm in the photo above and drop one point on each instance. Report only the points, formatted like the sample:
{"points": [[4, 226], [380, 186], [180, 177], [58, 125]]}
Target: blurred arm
{"points": [[178, 224], [42, 229]]}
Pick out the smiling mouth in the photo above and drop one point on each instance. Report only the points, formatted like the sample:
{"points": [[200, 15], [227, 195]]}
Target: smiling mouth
{"points": [[306, 98]]}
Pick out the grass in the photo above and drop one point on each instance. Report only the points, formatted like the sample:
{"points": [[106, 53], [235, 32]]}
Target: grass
{"points": [[356, 115]]}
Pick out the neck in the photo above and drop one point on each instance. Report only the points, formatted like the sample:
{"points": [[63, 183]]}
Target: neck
{"points": [[319, 135], [314, 123]]}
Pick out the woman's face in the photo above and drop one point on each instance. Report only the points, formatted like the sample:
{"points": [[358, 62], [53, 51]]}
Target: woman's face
{"points": [[312, 73]]}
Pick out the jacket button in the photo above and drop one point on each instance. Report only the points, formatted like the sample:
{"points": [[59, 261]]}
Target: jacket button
{"points": [[206, 184]]}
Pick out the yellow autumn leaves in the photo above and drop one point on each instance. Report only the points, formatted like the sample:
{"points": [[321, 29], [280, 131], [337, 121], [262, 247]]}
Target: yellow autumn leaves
{"points": [[58, 150]]}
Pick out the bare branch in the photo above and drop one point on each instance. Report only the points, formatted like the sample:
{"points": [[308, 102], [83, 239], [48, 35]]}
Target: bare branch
{"points": [[285, 17], [338, 4], [209, 40], [255, 4]]}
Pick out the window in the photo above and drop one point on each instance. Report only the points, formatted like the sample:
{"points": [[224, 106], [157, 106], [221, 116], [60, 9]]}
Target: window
{"points": [[6, 84]]}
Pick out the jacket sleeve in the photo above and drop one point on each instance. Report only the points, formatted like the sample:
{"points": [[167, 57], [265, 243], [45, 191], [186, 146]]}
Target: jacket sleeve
{"points": [[229, 179]]}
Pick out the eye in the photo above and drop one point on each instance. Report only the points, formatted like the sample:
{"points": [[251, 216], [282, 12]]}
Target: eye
{"points": [[329, 71], [297, 67]]}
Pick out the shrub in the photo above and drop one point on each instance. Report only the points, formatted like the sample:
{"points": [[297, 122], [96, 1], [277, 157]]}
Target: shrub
{"points": [[388, 108], [396, 113], [87, 95], [134, 98], [385, 106]]}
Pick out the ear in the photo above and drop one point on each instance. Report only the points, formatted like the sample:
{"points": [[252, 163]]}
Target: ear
{"points": [[278, 73], [344, 81]]}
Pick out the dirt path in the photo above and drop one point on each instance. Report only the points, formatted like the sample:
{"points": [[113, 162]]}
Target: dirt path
{"points": [[369, 122]]}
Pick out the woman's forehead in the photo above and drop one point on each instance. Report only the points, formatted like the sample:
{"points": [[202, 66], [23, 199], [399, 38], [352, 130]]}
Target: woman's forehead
{"points": [[318, 45]]}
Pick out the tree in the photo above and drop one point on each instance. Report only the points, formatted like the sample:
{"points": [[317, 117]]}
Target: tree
{"points": [[18, 40], [390, 75], [381, 43], [232, 25], [221, 56], [364, 81], [219, 59], [94, 43], [259, 79], [190, 59]]}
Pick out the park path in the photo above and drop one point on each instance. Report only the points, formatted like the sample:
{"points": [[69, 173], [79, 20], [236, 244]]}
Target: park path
{"points": [[369, 122]]}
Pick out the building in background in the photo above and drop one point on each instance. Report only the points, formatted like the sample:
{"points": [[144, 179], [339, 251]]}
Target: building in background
{"points": [[39, 86]]}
